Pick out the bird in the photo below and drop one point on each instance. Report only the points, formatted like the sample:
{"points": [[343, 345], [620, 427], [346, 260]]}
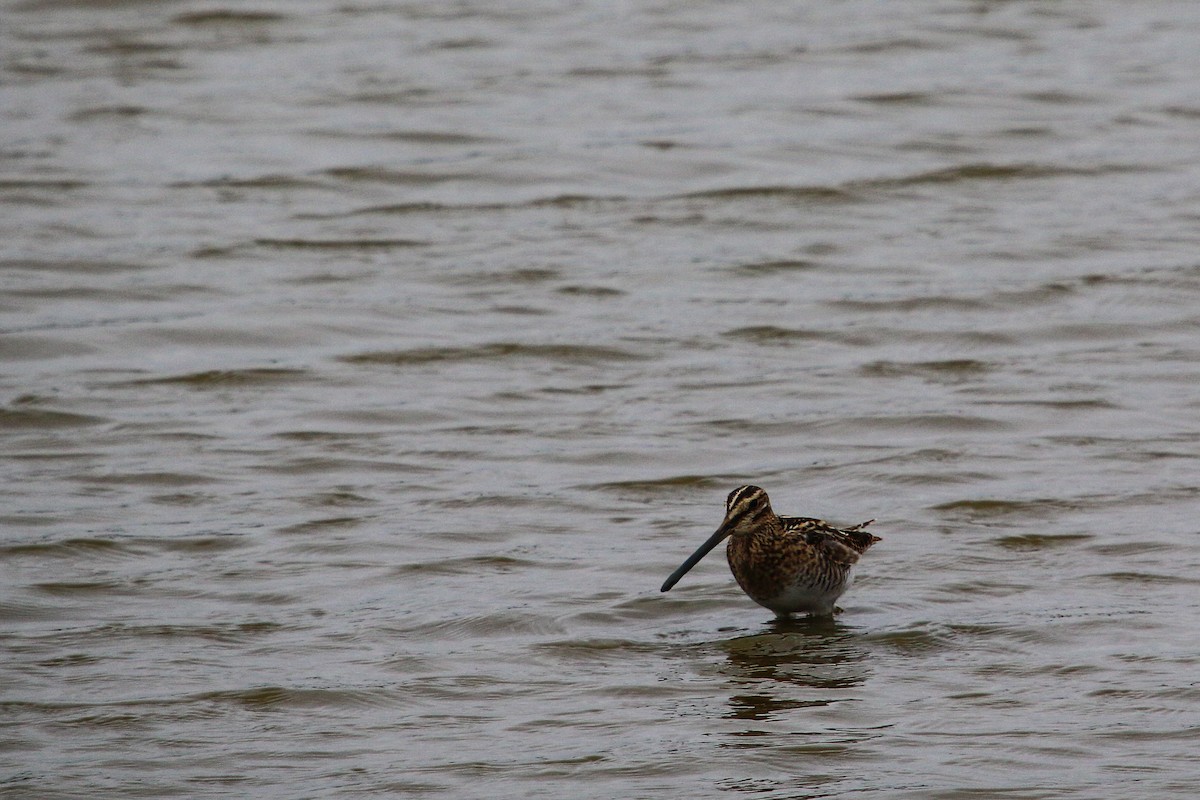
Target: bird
{"points": [[786, 564]]}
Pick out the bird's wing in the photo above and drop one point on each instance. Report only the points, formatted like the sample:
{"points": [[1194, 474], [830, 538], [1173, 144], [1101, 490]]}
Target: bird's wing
{"points": [[823, 537], [853, 537]]}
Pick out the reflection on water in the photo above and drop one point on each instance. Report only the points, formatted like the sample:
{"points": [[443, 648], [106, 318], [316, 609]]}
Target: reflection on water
{"points": [[794, 665]]}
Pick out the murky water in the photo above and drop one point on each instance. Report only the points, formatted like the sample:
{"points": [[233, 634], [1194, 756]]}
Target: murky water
{"points": [[367, 366]]}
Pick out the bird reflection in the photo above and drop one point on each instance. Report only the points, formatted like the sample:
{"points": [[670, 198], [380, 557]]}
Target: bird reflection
{"points": [[794, 664]]}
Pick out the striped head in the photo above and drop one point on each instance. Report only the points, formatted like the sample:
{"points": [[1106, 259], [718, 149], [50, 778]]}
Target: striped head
{"points": [[747, 509]]}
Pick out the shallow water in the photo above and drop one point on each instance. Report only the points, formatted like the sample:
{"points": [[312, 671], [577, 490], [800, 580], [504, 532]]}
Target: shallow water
{"points": [[368, 366]]}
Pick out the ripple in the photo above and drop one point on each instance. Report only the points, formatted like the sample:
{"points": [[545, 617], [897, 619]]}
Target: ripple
{"points": [[959, 591], [40, 418], [225, 16], [415, 136], [1149, 578], [776, 335], [566, 353], [468, 565], [62, 185], [89, 548], [268, 181], [197, 544], [521, 276], [922, 638], [338, 244], [953, 369], [389, 176], [85, 588], [996, 508], [327, 524], [595, 650], [221, 378], [1135, 547], [280, 698], [590, 291], [108, 112], [668, 483], [19, 612], [491, 625], [917, 422], [794, 194], [779, 267], [161, 478], [224, 633], [899, 98], [1030, 542], [299, 465], [982, 172], [86, 267], [907, 304]]}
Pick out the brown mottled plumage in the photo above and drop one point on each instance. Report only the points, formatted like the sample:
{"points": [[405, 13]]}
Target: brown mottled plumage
{"points": [[786, 564]]}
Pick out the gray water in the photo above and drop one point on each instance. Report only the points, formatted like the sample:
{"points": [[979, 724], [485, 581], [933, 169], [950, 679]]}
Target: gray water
{"points": [[368, 365]]}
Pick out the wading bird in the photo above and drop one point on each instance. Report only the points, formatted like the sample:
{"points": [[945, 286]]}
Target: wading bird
{"points": [[786, 564]]}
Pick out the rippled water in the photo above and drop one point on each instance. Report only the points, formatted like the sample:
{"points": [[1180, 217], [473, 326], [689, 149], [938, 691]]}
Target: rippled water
{"points": [[367, 366]]}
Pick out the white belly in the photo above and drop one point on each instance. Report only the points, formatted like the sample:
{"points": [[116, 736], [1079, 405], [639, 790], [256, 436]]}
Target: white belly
{"points": [[800, 598]]}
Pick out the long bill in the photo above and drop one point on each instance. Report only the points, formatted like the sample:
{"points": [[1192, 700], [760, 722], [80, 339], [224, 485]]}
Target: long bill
{"points": [[695, 557]]}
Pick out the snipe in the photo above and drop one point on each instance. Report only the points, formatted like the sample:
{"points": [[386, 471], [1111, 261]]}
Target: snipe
{"points": [[786, 564]]}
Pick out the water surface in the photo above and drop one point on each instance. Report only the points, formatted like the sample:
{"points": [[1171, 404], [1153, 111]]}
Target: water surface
{"points": [[367, 366]]}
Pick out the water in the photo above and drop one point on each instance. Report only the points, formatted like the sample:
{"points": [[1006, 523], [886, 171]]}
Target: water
{"points": [[367, 367]]}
